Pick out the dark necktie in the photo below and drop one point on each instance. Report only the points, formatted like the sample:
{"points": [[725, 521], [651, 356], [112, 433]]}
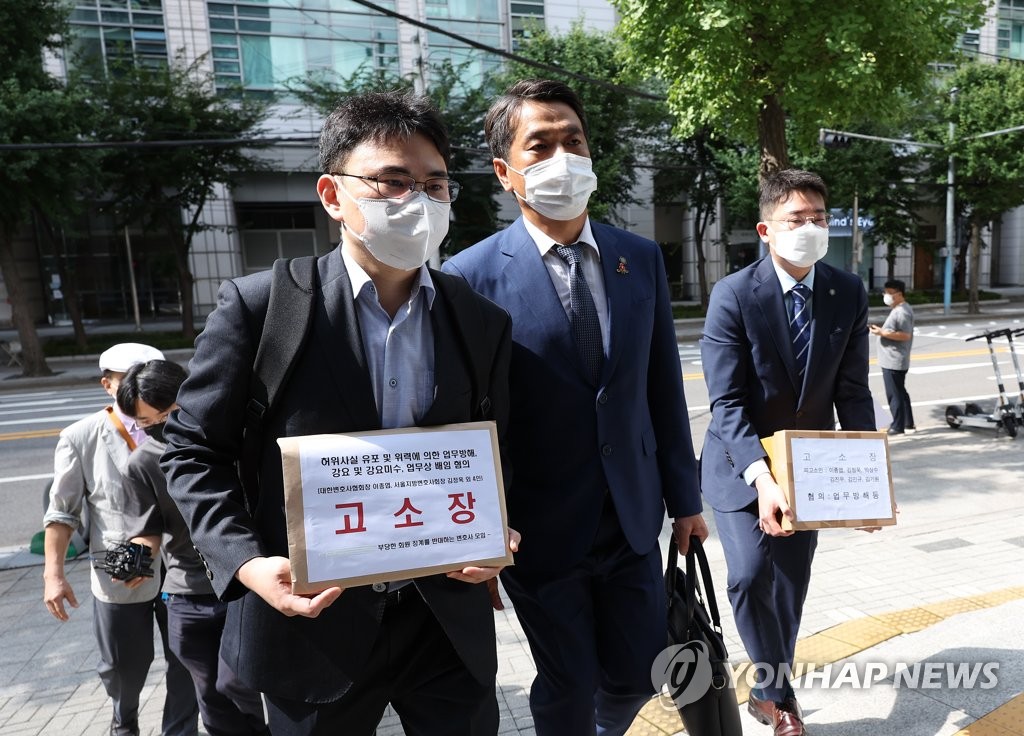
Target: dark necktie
{"points": [[586, 329], [800, 325]]}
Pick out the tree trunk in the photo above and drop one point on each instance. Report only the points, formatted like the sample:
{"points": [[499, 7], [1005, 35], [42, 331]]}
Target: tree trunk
{"points": [[701, 220], [67, 283], [185, 282], [33, 362], [771, 136], [890, 264], [972, 297]]}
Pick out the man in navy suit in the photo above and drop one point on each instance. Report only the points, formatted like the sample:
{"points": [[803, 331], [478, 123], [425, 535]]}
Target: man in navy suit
{"points": [[785, 347], [599, 440]]}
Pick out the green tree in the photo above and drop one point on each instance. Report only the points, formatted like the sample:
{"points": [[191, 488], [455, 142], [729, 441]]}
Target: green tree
{"points": [[882, 177], [700, 171], [167, 187], [474, 213], [36, 110], [622, 125], [990, 169], [745, 67]]}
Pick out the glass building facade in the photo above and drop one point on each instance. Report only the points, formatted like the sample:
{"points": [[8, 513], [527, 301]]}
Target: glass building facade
{"points": [[107, 31], [262, 46]]}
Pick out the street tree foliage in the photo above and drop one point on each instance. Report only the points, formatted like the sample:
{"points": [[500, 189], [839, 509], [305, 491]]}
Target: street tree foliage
{"points": [[746, 67], [622, 126], [990, 169], [699, 172], [34, 109], [462, 105], [165, 188]]}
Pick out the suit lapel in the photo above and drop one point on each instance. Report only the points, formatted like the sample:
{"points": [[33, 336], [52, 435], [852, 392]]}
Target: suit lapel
{"points": [[822, 317], [450, 377], [340, 342], [539, 315], [618, 299], [767, 293]]}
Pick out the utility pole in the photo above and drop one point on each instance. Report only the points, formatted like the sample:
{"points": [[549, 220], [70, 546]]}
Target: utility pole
{"points": [[947, 273]]}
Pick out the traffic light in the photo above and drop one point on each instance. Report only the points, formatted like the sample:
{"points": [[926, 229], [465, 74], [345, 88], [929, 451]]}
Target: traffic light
{"points": [[830, 139]]}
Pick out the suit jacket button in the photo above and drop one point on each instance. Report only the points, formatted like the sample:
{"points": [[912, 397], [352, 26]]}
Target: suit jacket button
{"points": [[602, 398], [380, 587], [606, 450]]}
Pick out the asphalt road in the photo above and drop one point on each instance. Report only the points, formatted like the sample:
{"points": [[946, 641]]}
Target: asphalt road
{"points": [[945, 370]]}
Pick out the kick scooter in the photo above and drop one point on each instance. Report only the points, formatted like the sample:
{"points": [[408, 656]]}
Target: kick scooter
{"points": [[1003, 417]]}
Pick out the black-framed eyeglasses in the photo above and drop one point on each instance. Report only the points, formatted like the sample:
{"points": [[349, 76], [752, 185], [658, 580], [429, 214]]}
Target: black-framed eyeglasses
{"points": [[158, 419], [795, 222], [397, 186]]}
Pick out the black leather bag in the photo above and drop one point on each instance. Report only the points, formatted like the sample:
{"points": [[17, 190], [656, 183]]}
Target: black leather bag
{"points": [[693, 617]]}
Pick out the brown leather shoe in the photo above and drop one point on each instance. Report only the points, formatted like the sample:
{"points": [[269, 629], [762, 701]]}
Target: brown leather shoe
{"points": [[762, 710], [786, 718]]}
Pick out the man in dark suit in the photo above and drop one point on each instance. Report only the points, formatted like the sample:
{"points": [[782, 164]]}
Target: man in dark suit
{"points": [[391, 344], [785, 347], [599, 438]]}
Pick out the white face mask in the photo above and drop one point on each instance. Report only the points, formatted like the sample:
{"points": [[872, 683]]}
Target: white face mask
{"points": [[559, 187], [804, 246], [403, 234], [888, 299]]}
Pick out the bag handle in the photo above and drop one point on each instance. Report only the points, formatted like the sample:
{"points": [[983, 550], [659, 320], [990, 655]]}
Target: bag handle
{"points": [[694, 556]]}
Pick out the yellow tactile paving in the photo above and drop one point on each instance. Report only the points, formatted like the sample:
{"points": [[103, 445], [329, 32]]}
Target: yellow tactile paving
{"points": [[999, 597], [1006, 720], [863, 632], [656, 719], [852, 637], [820, 648], [910, 620], [946, 609]]}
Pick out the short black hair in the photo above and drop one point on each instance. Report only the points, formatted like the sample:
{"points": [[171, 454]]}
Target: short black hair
{"points": [[778, 185], [156, 382], [896, 285], [503, 117], [379, 117]]}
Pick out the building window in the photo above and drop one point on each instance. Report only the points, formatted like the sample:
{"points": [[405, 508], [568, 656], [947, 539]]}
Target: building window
{"points": [[263, 46], [269, 232], [527, 18], [107, 31]]}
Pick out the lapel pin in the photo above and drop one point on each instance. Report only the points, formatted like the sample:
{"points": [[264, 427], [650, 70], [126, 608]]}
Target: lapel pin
{"points": [[621, 268], [831, 292]]}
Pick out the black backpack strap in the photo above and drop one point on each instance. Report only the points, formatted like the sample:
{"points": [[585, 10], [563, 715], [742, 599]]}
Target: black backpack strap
{"points": [[285, 327], [469, 328]]}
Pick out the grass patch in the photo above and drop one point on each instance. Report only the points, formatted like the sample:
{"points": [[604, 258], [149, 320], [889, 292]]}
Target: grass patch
{"points": [[95, 344]]}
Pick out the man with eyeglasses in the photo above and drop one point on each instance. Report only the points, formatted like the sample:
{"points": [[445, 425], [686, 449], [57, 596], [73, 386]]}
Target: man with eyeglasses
{"points": [[785, 343], [392, 344]]}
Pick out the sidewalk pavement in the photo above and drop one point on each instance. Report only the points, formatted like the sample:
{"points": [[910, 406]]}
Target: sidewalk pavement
{"points": [[942, 589], [946, 585]]}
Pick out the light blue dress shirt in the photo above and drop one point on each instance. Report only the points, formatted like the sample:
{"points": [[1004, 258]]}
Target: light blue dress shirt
{"points": [[399, 352]]}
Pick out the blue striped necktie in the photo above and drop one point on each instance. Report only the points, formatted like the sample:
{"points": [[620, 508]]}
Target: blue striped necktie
{"points": [[800, 325], [586, 329]]}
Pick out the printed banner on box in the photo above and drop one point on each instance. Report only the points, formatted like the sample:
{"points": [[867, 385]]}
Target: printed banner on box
{"points": [[840, 480], [393, 504], [833, 478]]}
